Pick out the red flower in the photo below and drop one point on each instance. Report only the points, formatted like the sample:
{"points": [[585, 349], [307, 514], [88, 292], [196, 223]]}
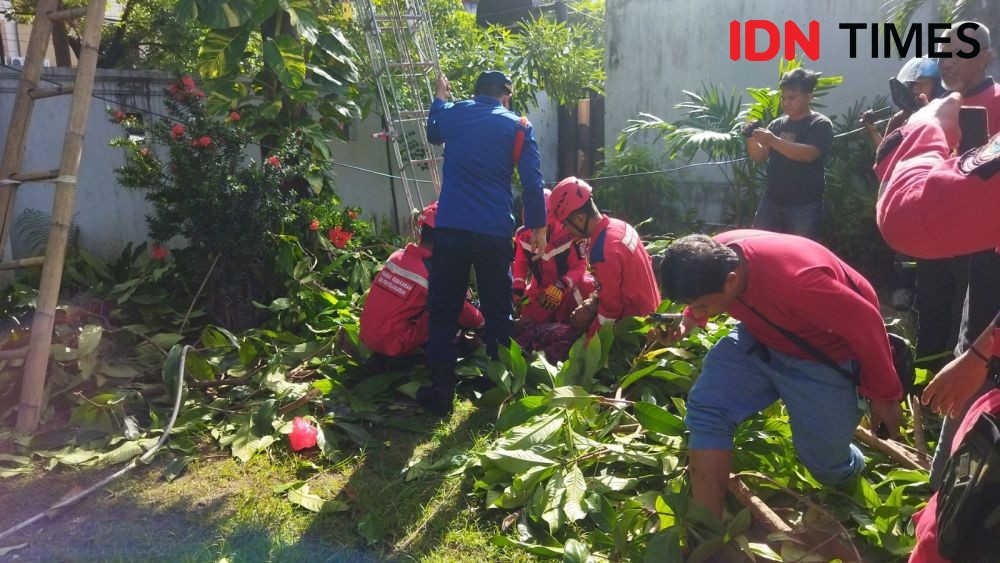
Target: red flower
{"points": [[144, 151], [119, 116], [303, 434], [204, 141], [352, 214], [233, 116], [273, 161], [188, 82], [339, 237], [177, 131], [158, 252], [314, 225], [198, 94]]}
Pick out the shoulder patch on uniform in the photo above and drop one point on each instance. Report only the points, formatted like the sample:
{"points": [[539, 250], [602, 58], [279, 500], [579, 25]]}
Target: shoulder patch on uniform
{"points": [[889, 144], [983, 161], [631, 238]]}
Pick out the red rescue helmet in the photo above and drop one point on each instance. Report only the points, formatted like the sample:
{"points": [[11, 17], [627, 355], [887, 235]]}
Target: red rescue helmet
{"points": [[427, 216], [570, 194]]}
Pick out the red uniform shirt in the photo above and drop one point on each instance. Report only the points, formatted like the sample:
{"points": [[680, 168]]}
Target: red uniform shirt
{"points": [[623, 273], [926, 550], [804, 288], [564, 260], [394, 318]]}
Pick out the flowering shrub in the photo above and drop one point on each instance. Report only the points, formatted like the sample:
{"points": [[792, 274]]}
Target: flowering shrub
{"points": [[195, 171]]}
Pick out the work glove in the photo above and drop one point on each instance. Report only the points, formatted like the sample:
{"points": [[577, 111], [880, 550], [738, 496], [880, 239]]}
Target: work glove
{"points": [[551, 297]]}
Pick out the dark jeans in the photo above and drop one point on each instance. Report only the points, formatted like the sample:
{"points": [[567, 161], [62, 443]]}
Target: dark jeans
{"points": [[904, 272], [455, 252], [941, 288], [803, 220]]}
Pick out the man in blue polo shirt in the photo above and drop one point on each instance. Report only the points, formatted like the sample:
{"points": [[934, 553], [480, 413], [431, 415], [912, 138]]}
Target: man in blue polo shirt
{"points": [[484, 142]]}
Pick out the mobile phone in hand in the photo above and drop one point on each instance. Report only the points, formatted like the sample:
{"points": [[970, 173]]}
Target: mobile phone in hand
{"points": [[972, 120]]}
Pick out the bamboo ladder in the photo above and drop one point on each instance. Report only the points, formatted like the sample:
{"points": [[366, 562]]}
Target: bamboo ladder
{"points": [[36, 353]]}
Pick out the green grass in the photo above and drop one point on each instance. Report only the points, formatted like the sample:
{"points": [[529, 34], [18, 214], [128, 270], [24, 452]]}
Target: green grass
{"points": [[219, 509]]}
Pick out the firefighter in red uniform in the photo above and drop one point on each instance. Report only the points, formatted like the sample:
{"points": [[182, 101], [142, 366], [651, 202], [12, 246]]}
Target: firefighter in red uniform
{"points": [[622, 269], [394, 318], [553, 284]]}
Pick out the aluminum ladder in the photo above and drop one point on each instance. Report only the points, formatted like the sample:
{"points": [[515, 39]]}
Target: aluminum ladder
{"points": [[405, 64]]}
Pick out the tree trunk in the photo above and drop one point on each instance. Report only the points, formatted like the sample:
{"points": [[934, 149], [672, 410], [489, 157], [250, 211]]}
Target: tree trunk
{"points": [[60, 44]]}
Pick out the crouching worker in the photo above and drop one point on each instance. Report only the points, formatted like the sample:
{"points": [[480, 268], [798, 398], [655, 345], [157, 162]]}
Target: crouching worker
{"points": [[548, 285], [623, 273], [394, 318], [796, 301]]}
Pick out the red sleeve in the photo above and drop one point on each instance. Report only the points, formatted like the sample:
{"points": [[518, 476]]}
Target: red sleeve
{"points": [[520, 268], [842, 311], [470, 317], [926, 207], [577, 265]]}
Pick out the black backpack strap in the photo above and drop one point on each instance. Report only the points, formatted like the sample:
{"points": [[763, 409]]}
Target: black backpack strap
{"points": [[803, 344]]}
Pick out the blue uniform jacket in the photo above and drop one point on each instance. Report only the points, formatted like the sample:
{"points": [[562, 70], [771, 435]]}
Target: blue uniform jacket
{"points": [[478, 165]]}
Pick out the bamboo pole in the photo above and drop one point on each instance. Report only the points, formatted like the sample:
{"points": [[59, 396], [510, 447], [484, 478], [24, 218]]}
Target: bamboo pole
{"points": [[62, 217], [20, 114]]}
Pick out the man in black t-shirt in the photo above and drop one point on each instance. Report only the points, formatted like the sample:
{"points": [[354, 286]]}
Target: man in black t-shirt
{"points": [[795, 147]]}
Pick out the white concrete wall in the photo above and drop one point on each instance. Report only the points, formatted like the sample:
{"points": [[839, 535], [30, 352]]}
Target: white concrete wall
{"points": [[657, 48], [545, 123], [110, 216]]}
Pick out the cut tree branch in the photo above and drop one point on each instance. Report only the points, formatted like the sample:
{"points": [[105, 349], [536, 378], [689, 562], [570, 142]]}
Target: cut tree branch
{"points": [[895, 451], [771, 522]]}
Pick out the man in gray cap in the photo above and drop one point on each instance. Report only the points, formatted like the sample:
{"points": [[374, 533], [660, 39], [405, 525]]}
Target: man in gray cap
{"points": [[484, 141]]}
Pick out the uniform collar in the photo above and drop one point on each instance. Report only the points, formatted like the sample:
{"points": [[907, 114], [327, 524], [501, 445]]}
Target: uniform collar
{"points": [[986, 83], [488, 100], [602, 225]]}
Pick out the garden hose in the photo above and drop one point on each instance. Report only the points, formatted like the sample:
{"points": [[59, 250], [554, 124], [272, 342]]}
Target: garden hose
{"points": [[53, 510]]}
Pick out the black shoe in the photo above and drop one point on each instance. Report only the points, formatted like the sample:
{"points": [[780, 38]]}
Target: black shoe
{"points": [[436, 400], [376, 364]]}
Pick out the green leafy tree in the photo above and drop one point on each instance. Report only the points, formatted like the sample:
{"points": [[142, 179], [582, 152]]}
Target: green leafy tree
{"points": [[562, 59], [285, 64], [145, 34]]}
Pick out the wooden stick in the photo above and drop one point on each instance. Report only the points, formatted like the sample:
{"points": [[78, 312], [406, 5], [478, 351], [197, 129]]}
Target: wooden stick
{"points": [[310, 395], [918, 424], [762, 513], [891, 449]]}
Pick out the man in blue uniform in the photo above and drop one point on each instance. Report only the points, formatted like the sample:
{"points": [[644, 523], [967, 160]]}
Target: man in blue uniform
{"points": [[484, 142]]}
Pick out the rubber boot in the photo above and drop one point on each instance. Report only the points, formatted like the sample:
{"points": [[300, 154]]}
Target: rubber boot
{"points": [[437, 398]]}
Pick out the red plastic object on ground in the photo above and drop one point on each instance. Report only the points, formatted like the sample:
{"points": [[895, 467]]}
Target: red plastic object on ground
{"points": [[303, 434]]}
